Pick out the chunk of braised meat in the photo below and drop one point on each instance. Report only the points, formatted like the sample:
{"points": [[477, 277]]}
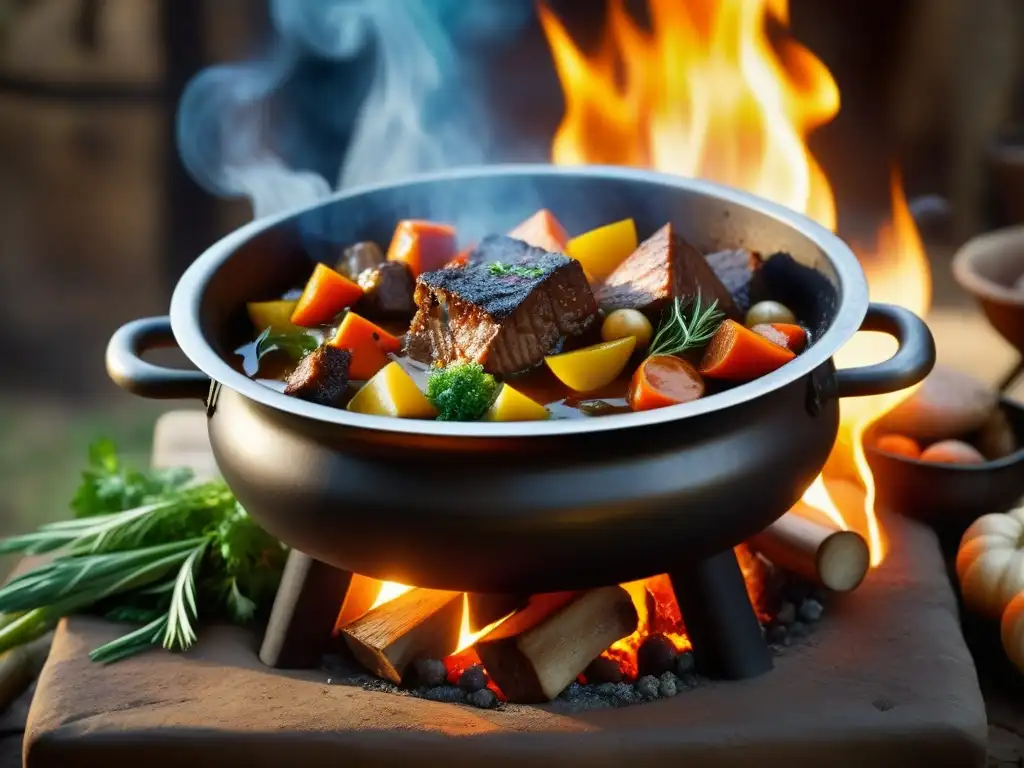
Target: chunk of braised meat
{"points": [[387, 292], [663, 267], [358, 258], [740, 272], [321, 376], [505, 313]]}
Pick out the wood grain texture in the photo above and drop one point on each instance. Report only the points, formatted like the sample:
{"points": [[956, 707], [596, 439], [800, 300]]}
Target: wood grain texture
{"points": [[422, 623], [539, 650]]}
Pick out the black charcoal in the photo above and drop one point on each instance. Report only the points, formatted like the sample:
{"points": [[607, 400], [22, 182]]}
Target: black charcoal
{"points": [[684, 663], [786, 613], [799, 629], [473, 679], [811, 610], [603, 670], [449, 694], [776, 634], [430, 672], [484, 699], [656, 654]]}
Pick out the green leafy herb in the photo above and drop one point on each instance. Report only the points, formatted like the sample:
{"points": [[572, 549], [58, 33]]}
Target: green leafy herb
{"points": [[185, 550], [295, 344], [519, 270], [686, 327], [461, 391]]}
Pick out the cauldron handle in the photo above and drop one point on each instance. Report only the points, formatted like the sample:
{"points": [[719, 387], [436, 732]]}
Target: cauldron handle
{"points": [[912, 362], [129, 371]]}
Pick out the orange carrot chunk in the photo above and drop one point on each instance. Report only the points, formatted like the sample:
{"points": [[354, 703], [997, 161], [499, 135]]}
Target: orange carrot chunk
{"points": [[542, 230], [736, 353], [899, 445], [423, 245], [369, 344], [663, 380], [788, 335], [325, 295]]}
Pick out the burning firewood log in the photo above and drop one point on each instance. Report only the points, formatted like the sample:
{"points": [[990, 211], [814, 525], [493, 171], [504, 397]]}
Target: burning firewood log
{"points": [[487, 609], [804, 542], [312, 600], [534, 654], [422, 623]]}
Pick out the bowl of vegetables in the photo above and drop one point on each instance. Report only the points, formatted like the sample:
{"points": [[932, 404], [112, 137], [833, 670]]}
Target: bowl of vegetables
{"points": [[521, 378]]}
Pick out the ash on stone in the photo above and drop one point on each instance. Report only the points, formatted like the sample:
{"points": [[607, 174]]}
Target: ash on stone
{"points": [[647, 686], [667, 685], [484, 698]]}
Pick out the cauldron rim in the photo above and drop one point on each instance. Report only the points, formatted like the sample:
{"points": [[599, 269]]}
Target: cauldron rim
{"points": [[851, 286]]}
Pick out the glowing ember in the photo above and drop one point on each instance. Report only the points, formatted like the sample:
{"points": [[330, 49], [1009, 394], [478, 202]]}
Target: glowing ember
{"points": [[706, 94]]}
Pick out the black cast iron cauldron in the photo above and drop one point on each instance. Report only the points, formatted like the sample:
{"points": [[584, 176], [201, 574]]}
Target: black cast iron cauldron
{"points": [[533, 506]]}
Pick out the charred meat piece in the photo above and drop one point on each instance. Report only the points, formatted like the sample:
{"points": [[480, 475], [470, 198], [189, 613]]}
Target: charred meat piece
{"points": [[505, 316], [358, 258], [503, 249], [387, 292], [739, 270], [664, 266], [321, 376]]}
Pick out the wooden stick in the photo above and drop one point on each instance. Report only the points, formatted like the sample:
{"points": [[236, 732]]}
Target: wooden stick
{"points": [[538, 651], [804, 543], [422, 623]]}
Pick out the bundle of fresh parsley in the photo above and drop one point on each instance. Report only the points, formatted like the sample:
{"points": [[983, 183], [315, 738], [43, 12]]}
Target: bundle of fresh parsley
{"points": [[153, 548]]}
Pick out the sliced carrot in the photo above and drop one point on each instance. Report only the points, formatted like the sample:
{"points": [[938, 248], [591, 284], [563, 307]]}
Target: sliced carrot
{"points": [[788, 335], [736, 353], [542, 230], [325, 295], [423, 245], [663, 380], [369, 344]]}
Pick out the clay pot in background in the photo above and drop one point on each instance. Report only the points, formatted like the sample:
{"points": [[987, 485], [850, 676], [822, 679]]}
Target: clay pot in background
{"points": [[991, 268]]}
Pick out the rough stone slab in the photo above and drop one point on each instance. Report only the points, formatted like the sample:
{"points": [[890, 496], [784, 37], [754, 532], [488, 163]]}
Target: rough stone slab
{"points": [[887, 680]]}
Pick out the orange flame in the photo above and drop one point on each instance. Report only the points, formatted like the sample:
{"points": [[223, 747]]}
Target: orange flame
{"points": [[705, 93]]}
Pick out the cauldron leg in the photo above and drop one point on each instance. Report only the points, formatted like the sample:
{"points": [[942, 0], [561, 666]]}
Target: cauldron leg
{"points": [[725, 633], [307, 606]]}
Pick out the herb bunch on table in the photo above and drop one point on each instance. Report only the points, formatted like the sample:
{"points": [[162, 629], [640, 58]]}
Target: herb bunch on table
{"points": [[152, 548]]}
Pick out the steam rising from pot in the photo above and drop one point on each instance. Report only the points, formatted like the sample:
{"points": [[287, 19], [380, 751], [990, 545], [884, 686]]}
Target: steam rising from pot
{"points": [[273, 130]]}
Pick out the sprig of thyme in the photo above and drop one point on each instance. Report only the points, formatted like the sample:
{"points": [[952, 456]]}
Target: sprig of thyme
{"points": [[501, 269], [678, 333]]}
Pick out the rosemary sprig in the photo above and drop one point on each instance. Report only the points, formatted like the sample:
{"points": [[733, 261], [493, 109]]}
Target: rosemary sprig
{"points": [[678, 333], [499, 268]]}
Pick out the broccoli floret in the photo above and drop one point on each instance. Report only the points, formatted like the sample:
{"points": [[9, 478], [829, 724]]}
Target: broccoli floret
{"points": [[461, 391]]}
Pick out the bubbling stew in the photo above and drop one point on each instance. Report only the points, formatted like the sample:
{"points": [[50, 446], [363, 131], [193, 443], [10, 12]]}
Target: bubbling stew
{"points": [[525, 326]]}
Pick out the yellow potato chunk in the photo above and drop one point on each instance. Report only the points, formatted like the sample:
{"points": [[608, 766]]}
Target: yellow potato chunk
{"points": [[601, 250], [513, 405], [590, 368], [392, 392], [272, 314]]}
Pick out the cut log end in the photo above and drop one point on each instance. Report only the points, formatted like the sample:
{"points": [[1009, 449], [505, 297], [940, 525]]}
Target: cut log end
{"points": [[538, 651], [805, 544], [422, 623]]}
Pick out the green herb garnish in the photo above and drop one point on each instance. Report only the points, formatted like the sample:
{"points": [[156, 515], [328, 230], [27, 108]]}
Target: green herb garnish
{"points": [[685, 327], [148, 547], [295, 345], [498, 268], [461, 391]]}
